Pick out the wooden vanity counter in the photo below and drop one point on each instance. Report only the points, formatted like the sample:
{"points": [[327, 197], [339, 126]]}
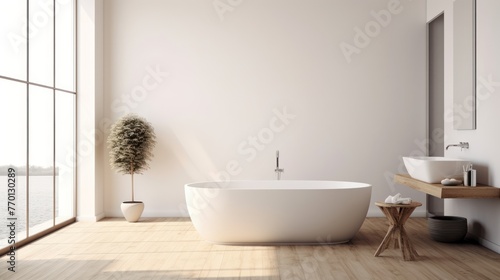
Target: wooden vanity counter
{"points": [[438, 190]]}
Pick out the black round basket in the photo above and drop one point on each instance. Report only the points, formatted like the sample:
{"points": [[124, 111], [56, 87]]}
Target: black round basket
{"points": [[447, 228]]}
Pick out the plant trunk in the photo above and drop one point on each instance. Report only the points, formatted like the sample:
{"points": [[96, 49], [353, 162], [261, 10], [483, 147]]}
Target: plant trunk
{"points": [[132, 176]]}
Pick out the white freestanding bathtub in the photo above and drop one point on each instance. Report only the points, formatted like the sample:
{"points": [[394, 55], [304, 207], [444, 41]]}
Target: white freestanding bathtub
{"points": [[274, 212]]}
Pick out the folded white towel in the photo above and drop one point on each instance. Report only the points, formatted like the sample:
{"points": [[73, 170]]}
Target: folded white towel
{"points": [[397, 199], [405, 200], [392, 199]]}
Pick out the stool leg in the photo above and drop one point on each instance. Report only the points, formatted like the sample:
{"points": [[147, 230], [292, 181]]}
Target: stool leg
{"points": [[394, 219], [409, 252], [387, 240], [391, 235]]}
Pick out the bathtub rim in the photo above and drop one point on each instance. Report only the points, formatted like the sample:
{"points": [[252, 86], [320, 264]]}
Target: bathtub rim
{"points": [[226, 185]]}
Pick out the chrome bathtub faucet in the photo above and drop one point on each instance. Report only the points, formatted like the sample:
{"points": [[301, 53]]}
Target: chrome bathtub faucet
{"points": [[278, 170], [461, 145]]}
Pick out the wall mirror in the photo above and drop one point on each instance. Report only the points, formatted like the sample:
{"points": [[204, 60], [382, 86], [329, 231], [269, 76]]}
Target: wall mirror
{"points": [[464, 64]]}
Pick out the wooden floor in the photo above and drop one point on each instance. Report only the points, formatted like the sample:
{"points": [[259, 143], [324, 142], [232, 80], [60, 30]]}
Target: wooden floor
{"points": [[170, 248]]}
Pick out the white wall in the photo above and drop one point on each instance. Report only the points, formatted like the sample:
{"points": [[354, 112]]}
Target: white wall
{"points": [[210, 76], [90, 156], [482, 214]]}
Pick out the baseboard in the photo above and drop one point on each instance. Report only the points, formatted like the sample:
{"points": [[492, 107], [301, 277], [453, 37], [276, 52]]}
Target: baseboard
{"points": [[90, 218], [118, 214], [100, 216], [377, 213], [485, 243]]}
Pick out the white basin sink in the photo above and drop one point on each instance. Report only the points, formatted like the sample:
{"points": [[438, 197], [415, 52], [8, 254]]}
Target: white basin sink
{"points": [[434, 169]]}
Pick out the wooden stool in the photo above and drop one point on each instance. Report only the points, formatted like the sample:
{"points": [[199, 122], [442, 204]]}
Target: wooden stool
{"points": [[398, 214]]}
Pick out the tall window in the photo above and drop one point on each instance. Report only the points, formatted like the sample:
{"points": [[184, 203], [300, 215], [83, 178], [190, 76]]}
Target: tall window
{"points": [[37, 117]]}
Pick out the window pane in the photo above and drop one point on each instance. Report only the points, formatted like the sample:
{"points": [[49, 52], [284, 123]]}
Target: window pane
{"points": [[41, 137], [29, 131], [41, 42], [13, 154], [65, 156], [13, 39], [65, 45]]}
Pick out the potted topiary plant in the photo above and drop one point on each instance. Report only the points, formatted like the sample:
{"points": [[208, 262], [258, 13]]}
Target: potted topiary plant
{"points": [[131, 142]]}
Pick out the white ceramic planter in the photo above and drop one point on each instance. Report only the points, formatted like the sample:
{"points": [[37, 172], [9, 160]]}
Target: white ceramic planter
{"points": [[132, 210]]}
